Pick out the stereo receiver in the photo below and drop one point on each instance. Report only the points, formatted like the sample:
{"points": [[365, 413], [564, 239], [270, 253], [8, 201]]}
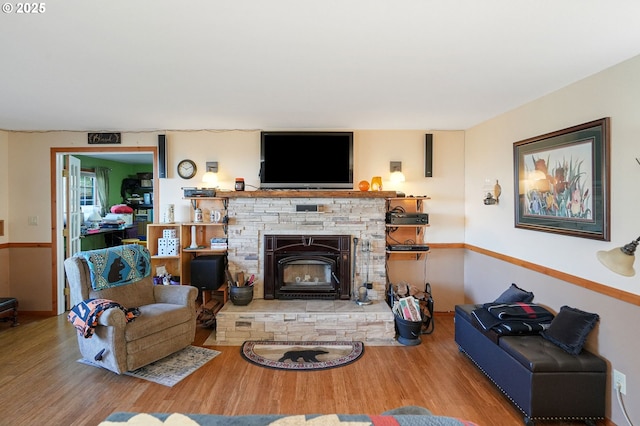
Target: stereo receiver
{"points": [[199, 192], [394, 218]]}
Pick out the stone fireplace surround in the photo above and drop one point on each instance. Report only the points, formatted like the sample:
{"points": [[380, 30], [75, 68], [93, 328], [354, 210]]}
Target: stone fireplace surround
{"points": [[254, 214]]}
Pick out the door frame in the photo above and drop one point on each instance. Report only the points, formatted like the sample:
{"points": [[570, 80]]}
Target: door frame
{"points": [[57, 218]]}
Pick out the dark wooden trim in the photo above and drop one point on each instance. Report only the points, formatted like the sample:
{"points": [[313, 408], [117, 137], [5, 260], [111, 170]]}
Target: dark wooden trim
{"points": [[29, 245]]}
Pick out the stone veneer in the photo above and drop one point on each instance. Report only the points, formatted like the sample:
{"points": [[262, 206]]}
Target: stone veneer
{"points": [[305, 320], [256, 213]]}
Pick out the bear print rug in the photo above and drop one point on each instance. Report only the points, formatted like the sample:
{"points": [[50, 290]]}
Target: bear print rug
{"points": [[301, 355]]}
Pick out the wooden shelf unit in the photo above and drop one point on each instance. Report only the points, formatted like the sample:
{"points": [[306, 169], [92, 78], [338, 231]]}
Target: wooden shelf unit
{"points": [[406, 233], [171, 263], [205, 231], [180, 264]]}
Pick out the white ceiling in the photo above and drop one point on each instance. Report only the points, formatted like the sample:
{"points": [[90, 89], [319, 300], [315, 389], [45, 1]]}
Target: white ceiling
{"points": [[122, 65]]}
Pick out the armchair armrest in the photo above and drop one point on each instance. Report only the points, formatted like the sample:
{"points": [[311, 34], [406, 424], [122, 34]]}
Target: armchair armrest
{"points": [[176, 294], [112, 318]]}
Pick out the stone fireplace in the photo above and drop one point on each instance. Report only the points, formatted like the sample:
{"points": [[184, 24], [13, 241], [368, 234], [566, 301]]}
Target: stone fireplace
{"points": [[264, 226], [307, 267], [355, 214]]}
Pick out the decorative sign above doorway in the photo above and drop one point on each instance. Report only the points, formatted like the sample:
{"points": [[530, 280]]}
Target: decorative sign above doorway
{"points": [[104, 138]]}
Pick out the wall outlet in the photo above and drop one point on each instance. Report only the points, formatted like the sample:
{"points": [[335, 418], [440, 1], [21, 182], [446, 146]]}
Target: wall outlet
{"points": [[32, 220], [620, 380]]}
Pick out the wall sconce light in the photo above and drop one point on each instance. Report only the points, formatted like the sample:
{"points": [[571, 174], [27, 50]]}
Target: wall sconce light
{"points": [[396, 172], [210, 178], [620, 259], [491, 194]]}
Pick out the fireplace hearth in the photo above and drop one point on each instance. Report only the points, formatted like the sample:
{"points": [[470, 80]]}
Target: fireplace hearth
{"points": [[307, 267]]}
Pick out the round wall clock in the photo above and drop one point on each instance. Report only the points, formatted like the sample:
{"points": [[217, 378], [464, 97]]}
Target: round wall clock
{"points": [[187, 169]]}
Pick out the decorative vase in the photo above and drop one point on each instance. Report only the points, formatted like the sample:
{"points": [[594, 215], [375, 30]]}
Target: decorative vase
{"points": [[194, 244], [363, 185], [169, 214], [197, 215], [376, 183]]}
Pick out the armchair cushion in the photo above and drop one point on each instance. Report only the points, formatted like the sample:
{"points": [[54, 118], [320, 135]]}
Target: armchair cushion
{"points": [[155, 318]]}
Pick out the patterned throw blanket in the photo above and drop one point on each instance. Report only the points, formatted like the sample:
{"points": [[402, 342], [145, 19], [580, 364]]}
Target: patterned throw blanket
{"points": [[513, 318], [119, 265], [84, 316]]}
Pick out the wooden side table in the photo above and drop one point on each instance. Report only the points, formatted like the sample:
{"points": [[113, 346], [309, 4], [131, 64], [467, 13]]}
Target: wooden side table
{"points": [[9, 310]]}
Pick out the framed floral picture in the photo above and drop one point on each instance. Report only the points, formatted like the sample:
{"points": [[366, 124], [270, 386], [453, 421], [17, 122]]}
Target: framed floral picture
{"points": [[562, 181]]}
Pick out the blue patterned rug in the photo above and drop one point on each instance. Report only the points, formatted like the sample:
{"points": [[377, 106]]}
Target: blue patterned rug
{"points": [[172, 369]]}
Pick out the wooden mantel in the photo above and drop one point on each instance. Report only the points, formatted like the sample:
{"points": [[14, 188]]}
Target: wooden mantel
{"points": [[287, 193]]}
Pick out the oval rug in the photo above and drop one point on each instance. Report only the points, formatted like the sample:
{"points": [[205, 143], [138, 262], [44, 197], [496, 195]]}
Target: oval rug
{"points": [[301, 355]]}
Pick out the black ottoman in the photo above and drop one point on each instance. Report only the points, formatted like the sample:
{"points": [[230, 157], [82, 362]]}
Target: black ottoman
{"points": [[540, 378], [9, 310]]}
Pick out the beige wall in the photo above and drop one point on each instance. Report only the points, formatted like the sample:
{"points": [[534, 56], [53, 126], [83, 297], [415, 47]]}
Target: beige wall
{"points": [[612, 93], [237, 153]]}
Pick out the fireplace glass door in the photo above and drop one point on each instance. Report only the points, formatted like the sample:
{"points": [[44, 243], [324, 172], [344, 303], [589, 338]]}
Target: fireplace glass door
{"points": [[312, 275]]}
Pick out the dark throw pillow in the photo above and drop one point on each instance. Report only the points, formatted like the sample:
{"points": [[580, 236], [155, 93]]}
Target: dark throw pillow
{"points": [[570, 328], [515, 294]]}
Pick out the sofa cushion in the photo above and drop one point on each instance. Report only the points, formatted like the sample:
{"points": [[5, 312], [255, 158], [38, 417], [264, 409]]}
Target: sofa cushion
{"points": [[570, 328], [514, 294], [540, 355]]}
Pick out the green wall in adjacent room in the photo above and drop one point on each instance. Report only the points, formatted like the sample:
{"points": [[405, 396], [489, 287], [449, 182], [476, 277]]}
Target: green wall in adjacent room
{"points": [[119, 171]]}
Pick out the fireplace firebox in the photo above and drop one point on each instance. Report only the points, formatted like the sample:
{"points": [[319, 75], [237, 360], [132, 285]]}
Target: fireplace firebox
{"points": [[307, 266]]}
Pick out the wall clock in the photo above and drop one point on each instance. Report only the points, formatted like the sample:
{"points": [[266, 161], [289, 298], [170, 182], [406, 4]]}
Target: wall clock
{"points": [[187, 169]]}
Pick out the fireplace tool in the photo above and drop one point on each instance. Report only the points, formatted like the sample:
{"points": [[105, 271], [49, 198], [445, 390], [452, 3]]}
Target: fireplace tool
{"points": [[362, 298], [354, 287]]}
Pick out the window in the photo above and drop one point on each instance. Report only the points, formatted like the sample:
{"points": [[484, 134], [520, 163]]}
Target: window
{"points": [[88, 189]]}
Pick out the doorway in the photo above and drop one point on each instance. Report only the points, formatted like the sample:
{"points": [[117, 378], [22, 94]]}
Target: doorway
{"points": [[57, 207]]}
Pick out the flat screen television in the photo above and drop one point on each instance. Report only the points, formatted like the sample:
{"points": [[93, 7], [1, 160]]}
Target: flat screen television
{"points": [[306, 160]]}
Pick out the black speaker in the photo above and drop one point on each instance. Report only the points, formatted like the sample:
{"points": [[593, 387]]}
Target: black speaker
{"points": [[208, 272], [162, 156], [428, 155]]}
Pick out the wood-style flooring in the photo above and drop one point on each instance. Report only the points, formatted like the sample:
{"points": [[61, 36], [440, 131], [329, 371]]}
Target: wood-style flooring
{"points": [[41, 382]]}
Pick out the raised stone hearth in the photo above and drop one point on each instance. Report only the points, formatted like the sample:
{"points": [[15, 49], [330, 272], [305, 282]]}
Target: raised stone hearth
{"points": [[305, 320]]}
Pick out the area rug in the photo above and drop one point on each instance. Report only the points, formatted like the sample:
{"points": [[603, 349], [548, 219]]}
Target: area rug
{"points": [[171, 369], [301, 355]]}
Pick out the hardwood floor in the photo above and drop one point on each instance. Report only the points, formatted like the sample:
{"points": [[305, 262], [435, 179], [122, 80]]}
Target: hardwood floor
{"points": [[41, 382]]}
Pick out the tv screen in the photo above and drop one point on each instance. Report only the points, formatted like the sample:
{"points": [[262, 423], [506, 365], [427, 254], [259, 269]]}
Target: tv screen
{"points": [[306, 160]]}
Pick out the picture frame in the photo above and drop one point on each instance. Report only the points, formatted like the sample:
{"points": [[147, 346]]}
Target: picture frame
{"points": [[562, 180]]}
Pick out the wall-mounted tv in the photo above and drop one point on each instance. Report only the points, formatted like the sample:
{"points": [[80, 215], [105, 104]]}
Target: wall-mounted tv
{"points": [[306, 160]]}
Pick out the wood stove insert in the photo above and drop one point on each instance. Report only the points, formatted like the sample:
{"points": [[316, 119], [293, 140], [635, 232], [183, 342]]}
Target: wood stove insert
{"points": [[307, 267]]}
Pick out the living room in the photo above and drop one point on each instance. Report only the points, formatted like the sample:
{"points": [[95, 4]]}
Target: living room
{"points": [[476, 250]]}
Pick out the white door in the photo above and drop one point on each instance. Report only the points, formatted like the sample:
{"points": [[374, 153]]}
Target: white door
{"points": [[73, 210]]}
